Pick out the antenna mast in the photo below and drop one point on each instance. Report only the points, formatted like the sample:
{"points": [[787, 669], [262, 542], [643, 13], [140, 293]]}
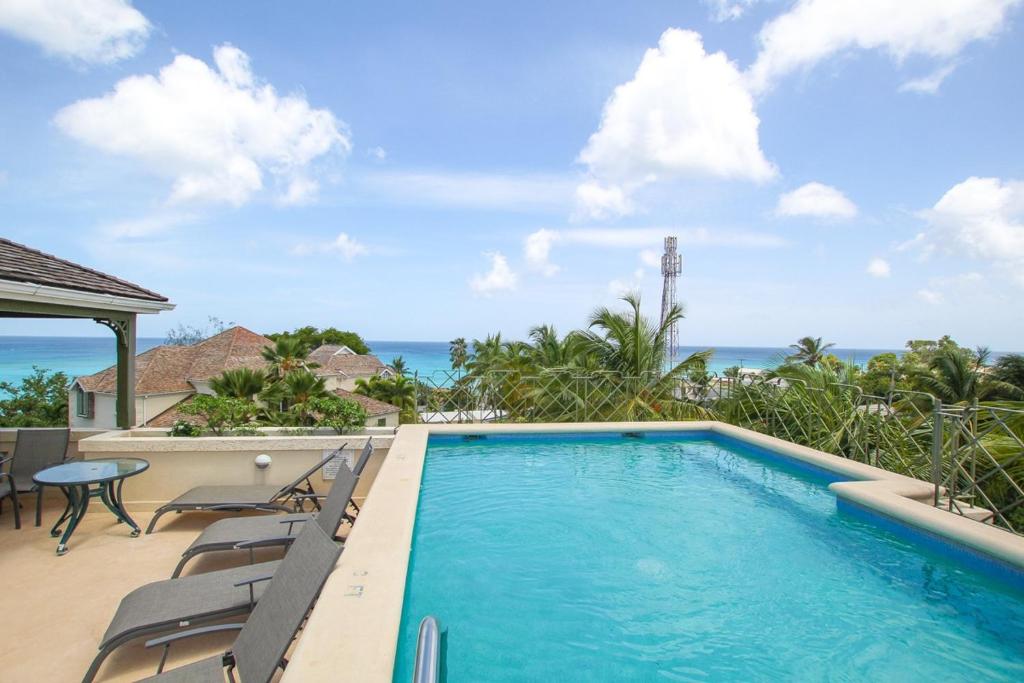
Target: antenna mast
{"points": [[671, 268]]}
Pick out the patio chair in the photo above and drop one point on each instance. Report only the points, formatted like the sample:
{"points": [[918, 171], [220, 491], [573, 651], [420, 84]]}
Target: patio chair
{"points": [[263, 641], [173, 604], [9, 490], [250, 497], [34, 451], [249, 533]]}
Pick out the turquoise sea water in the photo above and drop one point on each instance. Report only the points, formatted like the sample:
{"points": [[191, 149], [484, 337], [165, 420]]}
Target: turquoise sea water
{"points": [[431, 358], [601, 558], [86, 355], [73, 355]]}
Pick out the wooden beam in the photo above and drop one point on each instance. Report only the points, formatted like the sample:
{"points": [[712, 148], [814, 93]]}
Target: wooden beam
{"points": [[123, 325], [32, 309]]}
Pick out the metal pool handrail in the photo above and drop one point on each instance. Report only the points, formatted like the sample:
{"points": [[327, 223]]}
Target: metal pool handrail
{"points": [[428, 652]]}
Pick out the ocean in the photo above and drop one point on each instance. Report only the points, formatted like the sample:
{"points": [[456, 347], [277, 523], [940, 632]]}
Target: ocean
{"points": [[85, 355]]}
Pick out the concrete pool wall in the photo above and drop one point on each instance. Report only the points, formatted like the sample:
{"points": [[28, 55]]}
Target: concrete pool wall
{"points": [[352, 634]]}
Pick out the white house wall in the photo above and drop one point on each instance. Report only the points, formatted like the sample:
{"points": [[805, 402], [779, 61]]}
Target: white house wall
{"points": [[105, 409]]}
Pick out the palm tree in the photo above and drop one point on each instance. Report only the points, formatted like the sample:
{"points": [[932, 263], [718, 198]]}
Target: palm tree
{"points": [[287, 355], [399, 366], [957, 375], [458, 353], [633, 350], [239, 383], [808, 350], [550, 351], [299, 387], [399, 392], [1010, 369], [487, 356]]}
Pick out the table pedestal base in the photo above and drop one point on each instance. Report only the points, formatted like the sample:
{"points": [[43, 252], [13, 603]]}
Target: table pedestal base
{"points": [[78, 502]]}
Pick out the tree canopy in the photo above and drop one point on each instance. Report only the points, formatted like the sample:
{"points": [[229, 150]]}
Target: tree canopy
{"points": [[313, 337], [40, 400]]}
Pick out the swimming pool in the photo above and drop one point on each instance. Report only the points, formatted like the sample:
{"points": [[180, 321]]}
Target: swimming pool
{"points": [[685, 557]]}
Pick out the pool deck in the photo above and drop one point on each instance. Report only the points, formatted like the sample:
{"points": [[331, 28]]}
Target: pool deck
{"points": [[368, 587], [57, 608]]}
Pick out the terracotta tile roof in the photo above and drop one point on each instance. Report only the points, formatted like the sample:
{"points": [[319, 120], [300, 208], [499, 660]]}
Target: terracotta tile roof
{"points": [[19, 263], [229, 350], [161, 370], [373, 406], [172, 415], [334, 361], [168, 369]]}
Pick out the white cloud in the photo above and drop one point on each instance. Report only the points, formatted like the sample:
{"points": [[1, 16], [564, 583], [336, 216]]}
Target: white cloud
{"points": [[929, 85], [619, 286], [378, 153], [500, 277], [684, 113], [651, 258], [597, 201], [537, 250], [344, 245], [218, 133], [146, 226], [930, 296], [814, 30], [879, 267], [981, 218], [727, 10], [538, 245], [515, 192], [91, 31], [816, 199]]}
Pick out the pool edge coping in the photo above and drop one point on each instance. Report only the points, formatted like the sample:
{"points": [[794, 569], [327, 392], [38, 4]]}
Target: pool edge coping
{"points": [[352, 634]]}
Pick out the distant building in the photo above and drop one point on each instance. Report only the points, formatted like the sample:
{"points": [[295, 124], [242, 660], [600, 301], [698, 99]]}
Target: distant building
{"points": [[341, 366], [378, 413], [166, 376]]}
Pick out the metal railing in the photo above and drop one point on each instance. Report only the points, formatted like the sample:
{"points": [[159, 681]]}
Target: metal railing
{"points": [[973, 455]]}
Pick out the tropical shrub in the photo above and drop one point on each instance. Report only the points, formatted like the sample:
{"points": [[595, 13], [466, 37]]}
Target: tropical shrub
{"points": [[185, 428], [40, 400], [341, 415], [220, 412]]}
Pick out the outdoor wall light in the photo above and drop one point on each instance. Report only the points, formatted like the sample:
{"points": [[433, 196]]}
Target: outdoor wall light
{"points": [[263, 461]]}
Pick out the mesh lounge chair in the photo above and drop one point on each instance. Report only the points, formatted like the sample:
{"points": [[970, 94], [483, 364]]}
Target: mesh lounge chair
{"points": [[34, 451], [171, 604], [248, 533], [9, 490], [288, 498], [263, 641]]}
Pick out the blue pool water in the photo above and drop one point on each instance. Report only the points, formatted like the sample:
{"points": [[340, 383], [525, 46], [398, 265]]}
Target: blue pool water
{"points": [[685, 557]]}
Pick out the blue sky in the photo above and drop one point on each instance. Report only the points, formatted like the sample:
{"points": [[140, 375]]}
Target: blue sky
{"points": [[419, 171]]}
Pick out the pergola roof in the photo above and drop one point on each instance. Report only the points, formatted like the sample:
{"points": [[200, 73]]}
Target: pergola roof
{"points": [[34, 284], [24, 264]]}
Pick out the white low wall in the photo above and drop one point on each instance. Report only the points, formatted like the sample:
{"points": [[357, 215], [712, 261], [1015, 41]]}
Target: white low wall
{"points": [[177, 464]]}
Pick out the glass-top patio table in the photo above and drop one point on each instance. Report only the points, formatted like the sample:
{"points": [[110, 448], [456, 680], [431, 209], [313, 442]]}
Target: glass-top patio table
{"points": [[77, 479]]}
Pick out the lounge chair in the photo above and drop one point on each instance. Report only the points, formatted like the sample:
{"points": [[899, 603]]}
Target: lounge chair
{"points": [[34, 451], [9, 490], [171, 604], [264, 639], [287, 498], [274, 530]]}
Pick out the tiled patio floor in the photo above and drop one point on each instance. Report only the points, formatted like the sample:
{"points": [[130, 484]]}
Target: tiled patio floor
{"points": [[56, 608]]}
